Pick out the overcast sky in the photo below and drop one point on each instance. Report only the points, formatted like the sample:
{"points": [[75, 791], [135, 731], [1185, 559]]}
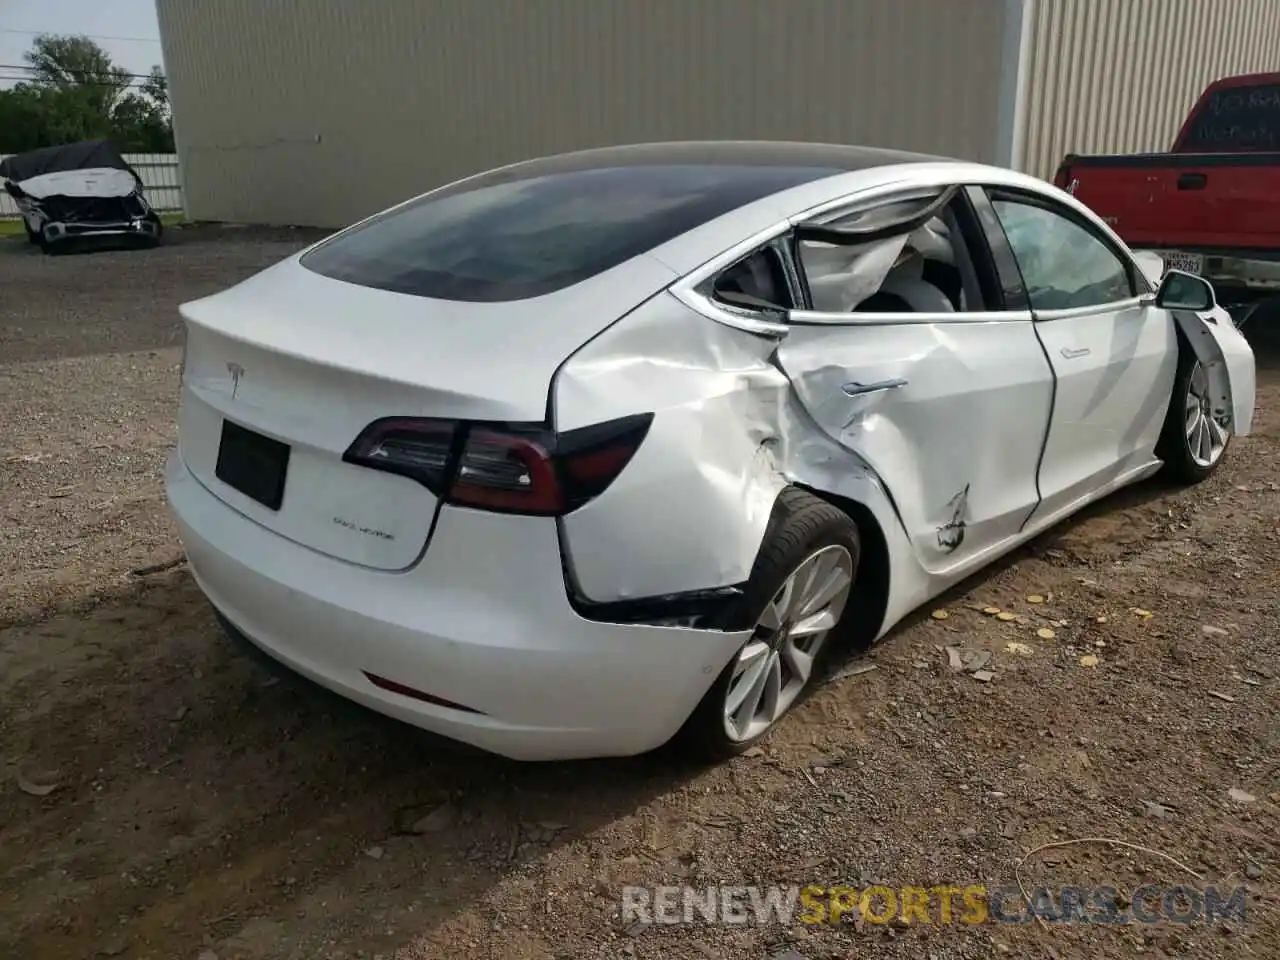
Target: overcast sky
{"points": [[125, 28]]}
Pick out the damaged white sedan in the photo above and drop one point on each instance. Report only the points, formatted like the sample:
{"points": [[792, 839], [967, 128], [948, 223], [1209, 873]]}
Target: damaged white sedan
{"points": [[578, 455]]}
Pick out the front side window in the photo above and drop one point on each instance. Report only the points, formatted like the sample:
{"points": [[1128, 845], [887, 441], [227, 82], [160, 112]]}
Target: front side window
{"points": [[1064, 265]]}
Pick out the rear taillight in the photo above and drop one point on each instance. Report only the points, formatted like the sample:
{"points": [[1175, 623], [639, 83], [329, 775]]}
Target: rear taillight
{"points": [[510, 468]]}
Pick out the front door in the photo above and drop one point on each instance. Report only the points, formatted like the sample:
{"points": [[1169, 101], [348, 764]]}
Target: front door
{"points": [[1112, 351]]}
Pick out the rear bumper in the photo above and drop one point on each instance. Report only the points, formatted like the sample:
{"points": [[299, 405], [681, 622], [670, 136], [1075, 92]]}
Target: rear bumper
{"points": [[482, 622]]}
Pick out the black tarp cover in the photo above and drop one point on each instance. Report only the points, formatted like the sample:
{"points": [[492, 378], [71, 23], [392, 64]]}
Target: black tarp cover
{"points": [[85, 155]]}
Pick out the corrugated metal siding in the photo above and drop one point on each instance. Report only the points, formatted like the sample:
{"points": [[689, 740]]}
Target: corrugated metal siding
{"points": [[1120, 76], [323, 111]]}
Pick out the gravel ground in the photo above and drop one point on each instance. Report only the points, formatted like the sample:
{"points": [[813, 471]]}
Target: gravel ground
{"points": [[203, 805]]}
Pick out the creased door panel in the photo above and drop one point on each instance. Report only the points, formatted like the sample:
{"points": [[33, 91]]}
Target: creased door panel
{"points": [[950, 415]]}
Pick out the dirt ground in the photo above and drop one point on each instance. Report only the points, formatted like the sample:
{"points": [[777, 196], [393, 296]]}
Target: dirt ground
{"points": [[204, 806]]}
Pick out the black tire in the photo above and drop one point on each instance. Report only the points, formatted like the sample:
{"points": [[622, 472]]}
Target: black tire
{"points": [[33, 238], [801, 525], [1174, 448]]}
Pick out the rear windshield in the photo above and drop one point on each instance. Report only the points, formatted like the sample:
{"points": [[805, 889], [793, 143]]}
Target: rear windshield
{"points": [[1237, 119], [517, 238]]}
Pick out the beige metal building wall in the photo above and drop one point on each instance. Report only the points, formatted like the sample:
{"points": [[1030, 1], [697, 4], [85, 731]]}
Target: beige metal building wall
{"points": [[323, 111], [1119, 76]]}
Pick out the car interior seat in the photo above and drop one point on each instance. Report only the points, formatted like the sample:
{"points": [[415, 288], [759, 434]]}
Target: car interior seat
{"points": [[934, 241], [905, 289]]}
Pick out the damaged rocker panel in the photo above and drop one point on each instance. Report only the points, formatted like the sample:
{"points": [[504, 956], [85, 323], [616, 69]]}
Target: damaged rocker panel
{"points": [[951, 533]]}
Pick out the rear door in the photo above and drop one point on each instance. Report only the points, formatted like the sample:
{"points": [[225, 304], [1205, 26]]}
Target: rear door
{"points": [[1112, 351], [929, 375]]}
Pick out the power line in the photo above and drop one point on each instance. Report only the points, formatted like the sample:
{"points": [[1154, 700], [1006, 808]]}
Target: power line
{"points": [[91, 36], [19, 66], [79, 83]]}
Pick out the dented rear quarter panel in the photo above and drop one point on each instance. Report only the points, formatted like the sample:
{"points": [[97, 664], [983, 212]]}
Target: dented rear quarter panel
{"points": [[729, 434], [689, 511]]}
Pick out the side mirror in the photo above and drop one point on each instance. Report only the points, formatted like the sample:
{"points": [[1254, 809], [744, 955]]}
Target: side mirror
{"points": [[1185, 291]]}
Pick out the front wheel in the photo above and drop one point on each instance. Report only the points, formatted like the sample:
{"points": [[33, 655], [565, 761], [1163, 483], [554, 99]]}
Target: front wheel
{"points": [[1195, 437], [799, 588]]}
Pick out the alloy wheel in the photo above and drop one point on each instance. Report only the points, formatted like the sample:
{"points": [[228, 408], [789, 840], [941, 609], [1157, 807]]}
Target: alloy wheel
{"points": [[776, 663], [1206, 436]]}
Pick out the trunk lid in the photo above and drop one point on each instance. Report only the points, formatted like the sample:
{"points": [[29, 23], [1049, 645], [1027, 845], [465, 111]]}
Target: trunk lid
{"points": [[309, 362]]}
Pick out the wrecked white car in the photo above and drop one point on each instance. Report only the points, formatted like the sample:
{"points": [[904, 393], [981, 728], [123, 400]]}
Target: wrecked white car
{"points": [[572, 457], [84, 189]]}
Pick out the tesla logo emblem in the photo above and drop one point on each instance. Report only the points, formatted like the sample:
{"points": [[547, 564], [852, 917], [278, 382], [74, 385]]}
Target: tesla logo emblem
{"points": [[236, 372]]}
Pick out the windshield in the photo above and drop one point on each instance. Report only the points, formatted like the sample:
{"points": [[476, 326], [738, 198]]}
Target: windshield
{"points": [[520, 238]]}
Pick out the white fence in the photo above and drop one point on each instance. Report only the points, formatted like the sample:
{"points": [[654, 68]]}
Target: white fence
{"points": [[160, 175]]}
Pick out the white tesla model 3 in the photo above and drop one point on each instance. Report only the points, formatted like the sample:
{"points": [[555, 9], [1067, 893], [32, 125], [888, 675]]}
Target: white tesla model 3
{"points": [[578, 455]]}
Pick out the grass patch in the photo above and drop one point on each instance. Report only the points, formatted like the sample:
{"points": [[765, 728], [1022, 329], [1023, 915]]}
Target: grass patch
{"points": [[13, 227]]}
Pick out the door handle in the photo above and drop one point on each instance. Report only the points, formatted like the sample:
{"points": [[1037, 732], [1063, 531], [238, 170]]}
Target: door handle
{"points": [[1192, 181], [862, 389]]}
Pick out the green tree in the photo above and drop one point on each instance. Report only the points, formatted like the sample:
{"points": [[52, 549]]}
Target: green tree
{"points": [[22, 119], [75, 92], [156, 88], [78, 64]]}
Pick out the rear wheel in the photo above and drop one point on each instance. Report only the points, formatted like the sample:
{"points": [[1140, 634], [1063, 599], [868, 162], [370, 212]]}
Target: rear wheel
{"points": [[1194, 438], [799, 587]]}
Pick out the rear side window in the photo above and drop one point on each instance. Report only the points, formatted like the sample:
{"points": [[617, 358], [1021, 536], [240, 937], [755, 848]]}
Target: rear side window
{"points": [[500, 238], [1237, 119]]}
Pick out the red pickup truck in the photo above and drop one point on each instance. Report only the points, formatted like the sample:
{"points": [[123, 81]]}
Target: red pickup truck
{"points": [[1210, 206]]}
